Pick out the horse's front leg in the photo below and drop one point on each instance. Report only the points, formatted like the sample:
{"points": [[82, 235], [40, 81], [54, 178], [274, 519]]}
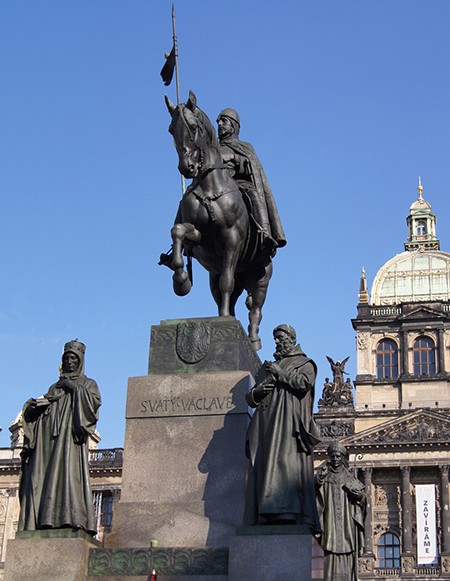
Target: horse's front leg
{"points": [[182, 233]]}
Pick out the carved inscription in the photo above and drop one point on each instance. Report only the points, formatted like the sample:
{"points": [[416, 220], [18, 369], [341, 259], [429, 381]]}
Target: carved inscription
{"points": [[196, 404]]}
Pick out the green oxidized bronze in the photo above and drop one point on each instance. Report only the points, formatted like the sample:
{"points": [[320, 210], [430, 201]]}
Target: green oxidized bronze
{"points": [[170, 561]]}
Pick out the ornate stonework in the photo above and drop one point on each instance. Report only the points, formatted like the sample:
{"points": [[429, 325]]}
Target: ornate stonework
{"points": [[193, 340]]}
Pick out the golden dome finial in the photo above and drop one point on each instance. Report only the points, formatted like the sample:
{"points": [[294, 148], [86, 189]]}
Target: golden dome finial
{"points": [[420, 189]]}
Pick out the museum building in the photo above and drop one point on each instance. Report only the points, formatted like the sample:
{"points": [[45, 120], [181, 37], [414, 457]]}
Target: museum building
{"points": [[398, 432]]}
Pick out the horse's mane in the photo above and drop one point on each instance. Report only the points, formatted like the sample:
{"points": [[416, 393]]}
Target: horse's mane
{"points": [[209, 127], [204, 123]]}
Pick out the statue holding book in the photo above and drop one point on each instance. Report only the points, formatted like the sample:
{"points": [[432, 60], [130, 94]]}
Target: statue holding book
{"points": [[281, 438], [55, 490]]}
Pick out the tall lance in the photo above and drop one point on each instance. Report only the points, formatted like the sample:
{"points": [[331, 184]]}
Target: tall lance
{"points": [[167, 80], [177, 79]]}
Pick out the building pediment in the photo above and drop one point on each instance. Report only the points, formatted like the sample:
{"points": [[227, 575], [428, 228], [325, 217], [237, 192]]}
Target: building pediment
{"points": [[418, 427], [422, 312]]}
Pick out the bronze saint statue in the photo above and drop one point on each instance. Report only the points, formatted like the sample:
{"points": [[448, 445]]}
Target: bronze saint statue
{"points": [[246, 169], [55, 489], [213, 223], [341, 502], [281, 437]]}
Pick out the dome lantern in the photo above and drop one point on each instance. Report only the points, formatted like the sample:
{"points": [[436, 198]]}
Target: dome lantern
{"points": [[421, 226]]}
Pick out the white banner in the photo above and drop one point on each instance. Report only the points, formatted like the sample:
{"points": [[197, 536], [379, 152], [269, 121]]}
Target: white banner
{"points": [[426, 524]]}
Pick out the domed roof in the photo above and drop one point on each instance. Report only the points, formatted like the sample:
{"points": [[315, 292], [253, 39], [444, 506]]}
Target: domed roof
{"points": [[422, 275], [420, 206]]}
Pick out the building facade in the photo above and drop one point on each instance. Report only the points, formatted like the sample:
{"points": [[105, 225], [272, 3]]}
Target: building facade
{"points": [[398, 431]]}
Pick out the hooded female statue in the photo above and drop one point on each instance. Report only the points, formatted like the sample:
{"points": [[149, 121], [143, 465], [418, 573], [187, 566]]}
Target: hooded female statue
{"points": [[55, 489]]}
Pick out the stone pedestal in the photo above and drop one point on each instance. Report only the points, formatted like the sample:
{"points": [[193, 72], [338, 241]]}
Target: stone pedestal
{"points": [[48, 556], [271, 553], [184, 454]]}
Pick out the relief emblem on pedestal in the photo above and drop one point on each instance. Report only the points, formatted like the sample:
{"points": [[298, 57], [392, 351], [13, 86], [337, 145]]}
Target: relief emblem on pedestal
{"points": [[193, 341]]}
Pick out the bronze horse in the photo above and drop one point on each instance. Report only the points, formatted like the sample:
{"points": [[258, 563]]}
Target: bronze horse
{"points": [[214, 222]]}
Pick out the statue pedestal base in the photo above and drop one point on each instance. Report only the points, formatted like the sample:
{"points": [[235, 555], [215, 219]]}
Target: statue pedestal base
{"points": [[271, 552], [184, 465], [49, 555]]}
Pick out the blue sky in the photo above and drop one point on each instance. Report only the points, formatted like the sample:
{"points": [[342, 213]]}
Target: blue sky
{"points": [[345, 103]]}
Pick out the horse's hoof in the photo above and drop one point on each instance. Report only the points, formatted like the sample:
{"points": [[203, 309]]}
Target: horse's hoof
{"points": [[256, 344], [181, 284]]}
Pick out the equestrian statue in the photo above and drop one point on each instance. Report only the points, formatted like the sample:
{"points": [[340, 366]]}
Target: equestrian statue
{"points": [[227, 218]]}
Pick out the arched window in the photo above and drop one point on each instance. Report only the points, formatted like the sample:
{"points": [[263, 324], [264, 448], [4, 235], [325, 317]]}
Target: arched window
{"points": [[424, 353], [421, 228], [389, 551], [387, 359]]}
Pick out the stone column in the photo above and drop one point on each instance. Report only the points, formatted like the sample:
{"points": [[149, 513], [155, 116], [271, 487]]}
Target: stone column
{"points": [[407, 557], [441, 352], [367, 561], [368, 549], [406, 510], [445, 513], [405, 361]]}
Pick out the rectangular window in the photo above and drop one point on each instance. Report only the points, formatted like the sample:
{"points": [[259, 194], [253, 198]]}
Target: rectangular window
{"points": [[106, 512]]}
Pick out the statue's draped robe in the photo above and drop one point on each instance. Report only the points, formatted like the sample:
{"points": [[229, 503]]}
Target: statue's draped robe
{"points": [[55, 490], [280, 441], [342, 521], [248, 172]]}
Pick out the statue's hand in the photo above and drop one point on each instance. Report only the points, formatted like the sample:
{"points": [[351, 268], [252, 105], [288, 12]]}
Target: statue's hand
{"points": [[66, 384], [273, 368], [324, 471], [228, 156], [260, 391], [321, 475]]}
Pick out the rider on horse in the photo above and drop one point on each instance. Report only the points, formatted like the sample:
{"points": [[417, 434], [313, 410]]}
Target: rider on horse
{"points": [[246, 170]]}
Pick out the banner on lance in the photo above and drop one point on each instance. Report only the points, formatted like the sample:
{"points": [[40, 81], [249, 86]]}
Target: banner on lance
{"points": [[426, 524]]}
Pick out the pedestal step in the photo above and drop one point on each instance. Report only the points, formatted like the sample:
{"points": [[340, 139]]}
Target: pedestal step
{"points": [[204, 564]]}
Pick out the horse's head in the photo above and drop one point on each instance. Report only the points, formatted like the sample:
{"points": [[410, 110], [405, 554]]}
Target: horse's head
{"points": [[194, 136]]}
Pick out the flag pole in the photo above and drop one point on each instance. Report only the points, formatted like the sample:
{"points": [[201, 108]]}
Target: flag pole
{"points": [[183, 183], [175, 46]]}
